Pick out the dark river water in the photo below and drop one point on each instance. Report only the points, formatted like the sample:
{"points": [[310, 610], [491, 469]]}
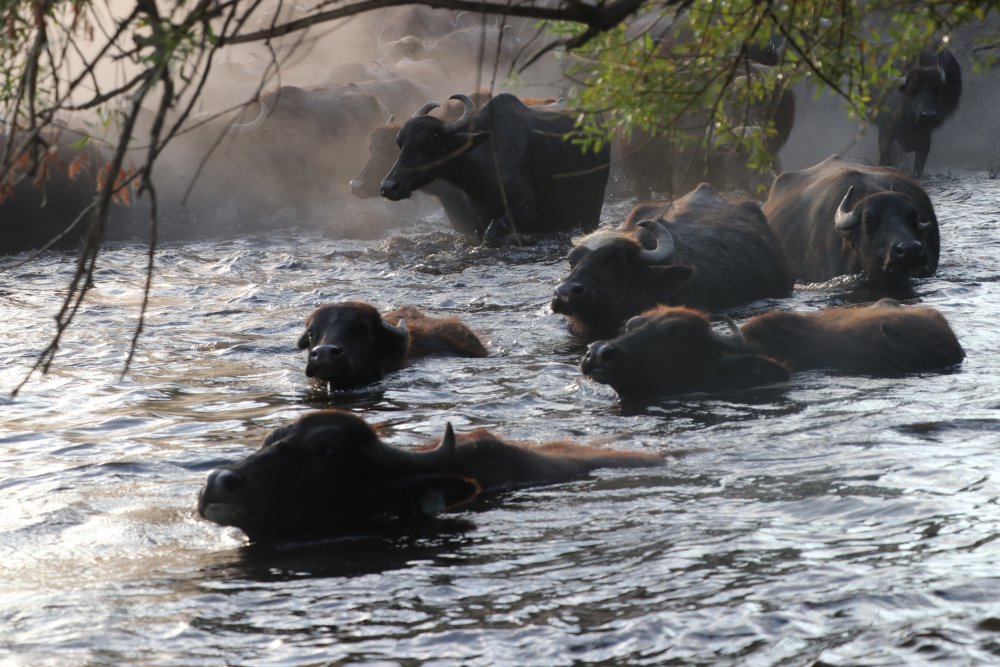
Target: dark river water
{"points": [[836, 521]]}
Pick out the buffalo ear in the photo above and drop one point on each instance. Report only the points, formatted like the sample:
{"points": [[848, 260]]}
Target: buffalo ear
{"points": [[423, 496], [303, 340], [747, 370], [667, 277]]}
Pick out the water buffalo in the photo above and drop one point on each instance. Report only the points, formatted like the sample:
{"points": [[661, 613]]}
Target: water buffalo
{"points": [[328, 473], [840, 217], [670, 350], [516, 164], [383, 153], [350, 344], [926, 95], [706, 252]]}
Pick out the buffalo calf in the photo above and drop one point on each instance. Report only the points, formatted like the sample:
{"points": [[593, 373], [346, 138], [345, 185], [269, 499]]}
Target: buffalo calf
{"points": [[671, 350], [350, 344], [328, 473]]}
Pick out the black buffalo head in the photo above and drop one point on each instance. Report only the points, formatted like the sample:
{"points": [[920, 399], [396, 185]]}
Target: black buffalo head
{"points": [[426, 145], [891, 238], [670, 350], [613, 277], [327, 474], [922, 87], [350, 345]]}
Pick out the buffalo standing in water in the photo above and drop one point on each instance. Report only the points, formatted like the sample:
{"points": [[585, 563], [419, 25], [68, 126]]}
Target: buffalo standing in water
{"points": [[350, 344], [840, 217], [927, 94], [672, 350], [703, 251], [517, 165], [328, 473]]}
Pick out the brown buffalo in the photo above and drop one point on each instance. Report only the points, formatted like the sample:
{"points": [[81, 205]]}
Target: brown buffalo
{"points": [[841, 217], [350, 344], [329, 473], [700, 251], [672, 350]]}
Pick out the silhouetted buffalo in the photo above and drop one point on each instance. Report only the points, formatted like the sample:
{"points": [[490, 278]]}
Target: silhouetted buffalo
{"points": [[670, 350], [517, 165], [840, 217], [350, 344], [328, 473], [926, 95], [383, 153], [704, 252]]}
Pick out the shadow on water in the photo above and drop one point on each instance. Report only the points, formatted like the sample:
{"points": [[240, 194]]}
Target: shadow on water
{"points": [[390, 546]]}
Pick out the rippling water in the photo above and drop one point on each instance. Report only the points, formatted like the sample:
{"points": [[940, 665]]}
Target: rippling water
{"points": [[838, 521]]}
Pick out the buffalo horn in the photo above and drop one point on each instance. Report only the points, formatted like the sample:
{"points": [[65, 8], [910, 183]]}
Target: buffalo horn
{"points": [[941, 72], [664, 249], [404, 459], [426, 109], [733, 341], [846, 219], [392, 117], [463, 122], [256, 121], [398, 330]]}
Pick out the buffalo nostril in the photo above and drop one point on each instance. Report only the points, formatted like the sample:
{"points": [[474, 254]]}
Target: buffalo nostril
{"points": [[325, 352], [907, 249], [576, 290]]}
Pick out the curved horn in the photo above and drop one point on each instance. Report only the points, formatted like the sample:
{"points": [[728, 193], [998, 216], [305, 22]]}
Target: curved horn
{"points": [[398, 330], [732, 341], [944, 79], [846, 219], [424, 110], [664, 250], [404, 459], [463, 122], [256, 121]]}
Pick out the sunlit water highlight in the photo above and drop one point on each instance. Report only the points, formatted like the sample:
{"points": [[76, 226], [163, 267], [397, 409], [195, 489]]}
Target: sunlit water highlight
{"points": [[838, 521]]}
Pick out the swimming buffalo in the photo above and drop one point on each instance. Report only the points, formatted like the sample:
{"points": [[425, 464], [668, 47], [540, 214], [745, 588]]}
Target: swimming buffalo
{"points": [[518, 166], [350, 344], [840, 217], [670, 350], [700, 251], [925, 96], [328, 473]]}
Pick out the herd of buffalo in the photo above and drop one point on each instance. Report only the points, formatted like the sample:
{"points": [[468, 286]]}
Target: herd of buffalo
{"points": [[640, 294]]}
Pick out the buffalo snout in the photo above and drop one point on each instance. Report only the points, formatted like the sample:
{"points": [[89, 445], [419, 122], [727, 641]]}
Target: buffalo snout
{"points": [[220, 499], [908, 253], [928, 116], [570, 290], [393, 190], [323, 359], [599, 354]]}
